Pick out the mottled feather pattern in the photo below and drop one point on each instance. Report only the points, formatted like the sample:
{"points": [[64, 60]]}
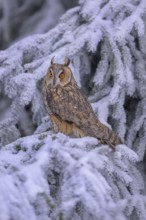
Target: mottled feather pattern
{"points": [[69, 110]]}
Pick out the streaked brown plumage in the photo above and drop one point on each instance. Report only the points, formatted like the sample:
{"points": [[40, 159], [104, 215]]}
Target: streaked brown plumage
{"points": [[69, 110]]}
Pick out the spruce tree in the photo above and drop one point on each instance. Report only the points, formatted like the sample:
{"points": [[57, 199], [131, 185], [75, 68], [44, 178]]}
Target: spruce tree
{"points": [[47, 176]]}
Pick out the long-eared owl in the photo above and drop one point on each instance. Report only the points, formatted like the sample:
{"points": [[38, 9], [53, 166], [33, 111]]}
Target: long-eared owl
{"points": [[69, 110]]}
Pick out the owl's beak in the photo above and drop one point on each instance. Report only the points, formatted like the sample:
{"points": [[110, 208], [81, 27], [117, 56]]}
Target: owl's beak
{"points": [[54, 82]]}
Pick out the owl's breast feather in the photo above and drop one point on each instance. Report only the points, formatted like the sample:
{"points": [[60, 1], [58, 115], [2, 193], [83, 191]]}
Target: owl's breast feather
{"points": [[55, 98]]}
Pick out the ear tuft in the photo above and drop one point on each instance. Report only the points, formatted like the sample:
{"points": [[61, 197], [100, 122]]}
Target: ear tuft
{"points": [[52, 60], [66, 61]]}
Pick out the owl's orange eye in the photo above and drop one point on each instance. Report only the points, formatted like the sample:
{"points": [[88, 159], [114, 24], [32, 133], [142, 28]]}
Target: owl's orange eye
{"points": [[61, 76], [50, 74]]}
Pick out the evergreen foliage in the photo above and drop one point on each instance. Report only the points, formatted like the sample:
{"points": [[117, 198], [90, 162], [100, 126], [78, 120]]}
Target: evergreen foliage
{"points": [[51, 176], [19, 18]]}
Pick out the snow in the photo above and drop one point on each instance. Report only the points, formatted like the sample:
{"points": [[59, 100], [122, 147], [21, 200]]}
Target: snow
{"points": [[29, 161], [49, 176]]}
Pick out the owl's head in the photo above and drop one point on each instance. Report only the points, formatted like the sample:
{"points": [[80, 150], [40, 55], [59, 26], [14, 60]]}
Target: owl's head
{"points": [[59, 74]]}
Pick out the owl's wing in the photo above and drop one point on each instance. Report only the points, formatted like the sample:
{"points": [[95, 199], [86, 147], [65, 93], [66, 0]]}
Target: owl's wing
{"points": [[74, 107]]}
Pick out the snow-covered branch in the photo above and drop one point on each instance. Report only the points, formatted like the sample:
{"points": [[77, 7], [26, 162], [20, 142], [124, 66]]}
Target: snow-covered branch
{"points": [[54, 175], [58, 177]]}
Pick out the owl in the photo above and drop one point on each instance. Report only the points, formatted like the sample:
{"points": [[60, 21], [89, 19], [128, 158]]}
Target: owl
{"points": [[69, 110]]}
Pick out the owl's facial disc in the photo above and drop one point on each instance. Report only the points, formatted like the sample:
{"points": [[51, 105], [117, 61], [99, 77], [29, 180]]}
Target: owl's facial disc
{"points": [[56, 77], [59, 75]]}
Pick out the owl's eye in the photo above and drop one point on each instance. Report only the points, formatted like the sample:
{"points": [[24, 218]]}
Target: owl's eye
{"points": [[62, 75], [50, 74]]}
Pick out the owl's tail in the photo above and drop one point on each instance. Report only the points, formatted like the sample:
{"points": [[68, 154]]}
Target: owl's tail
{"points": [[107, 136]]}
